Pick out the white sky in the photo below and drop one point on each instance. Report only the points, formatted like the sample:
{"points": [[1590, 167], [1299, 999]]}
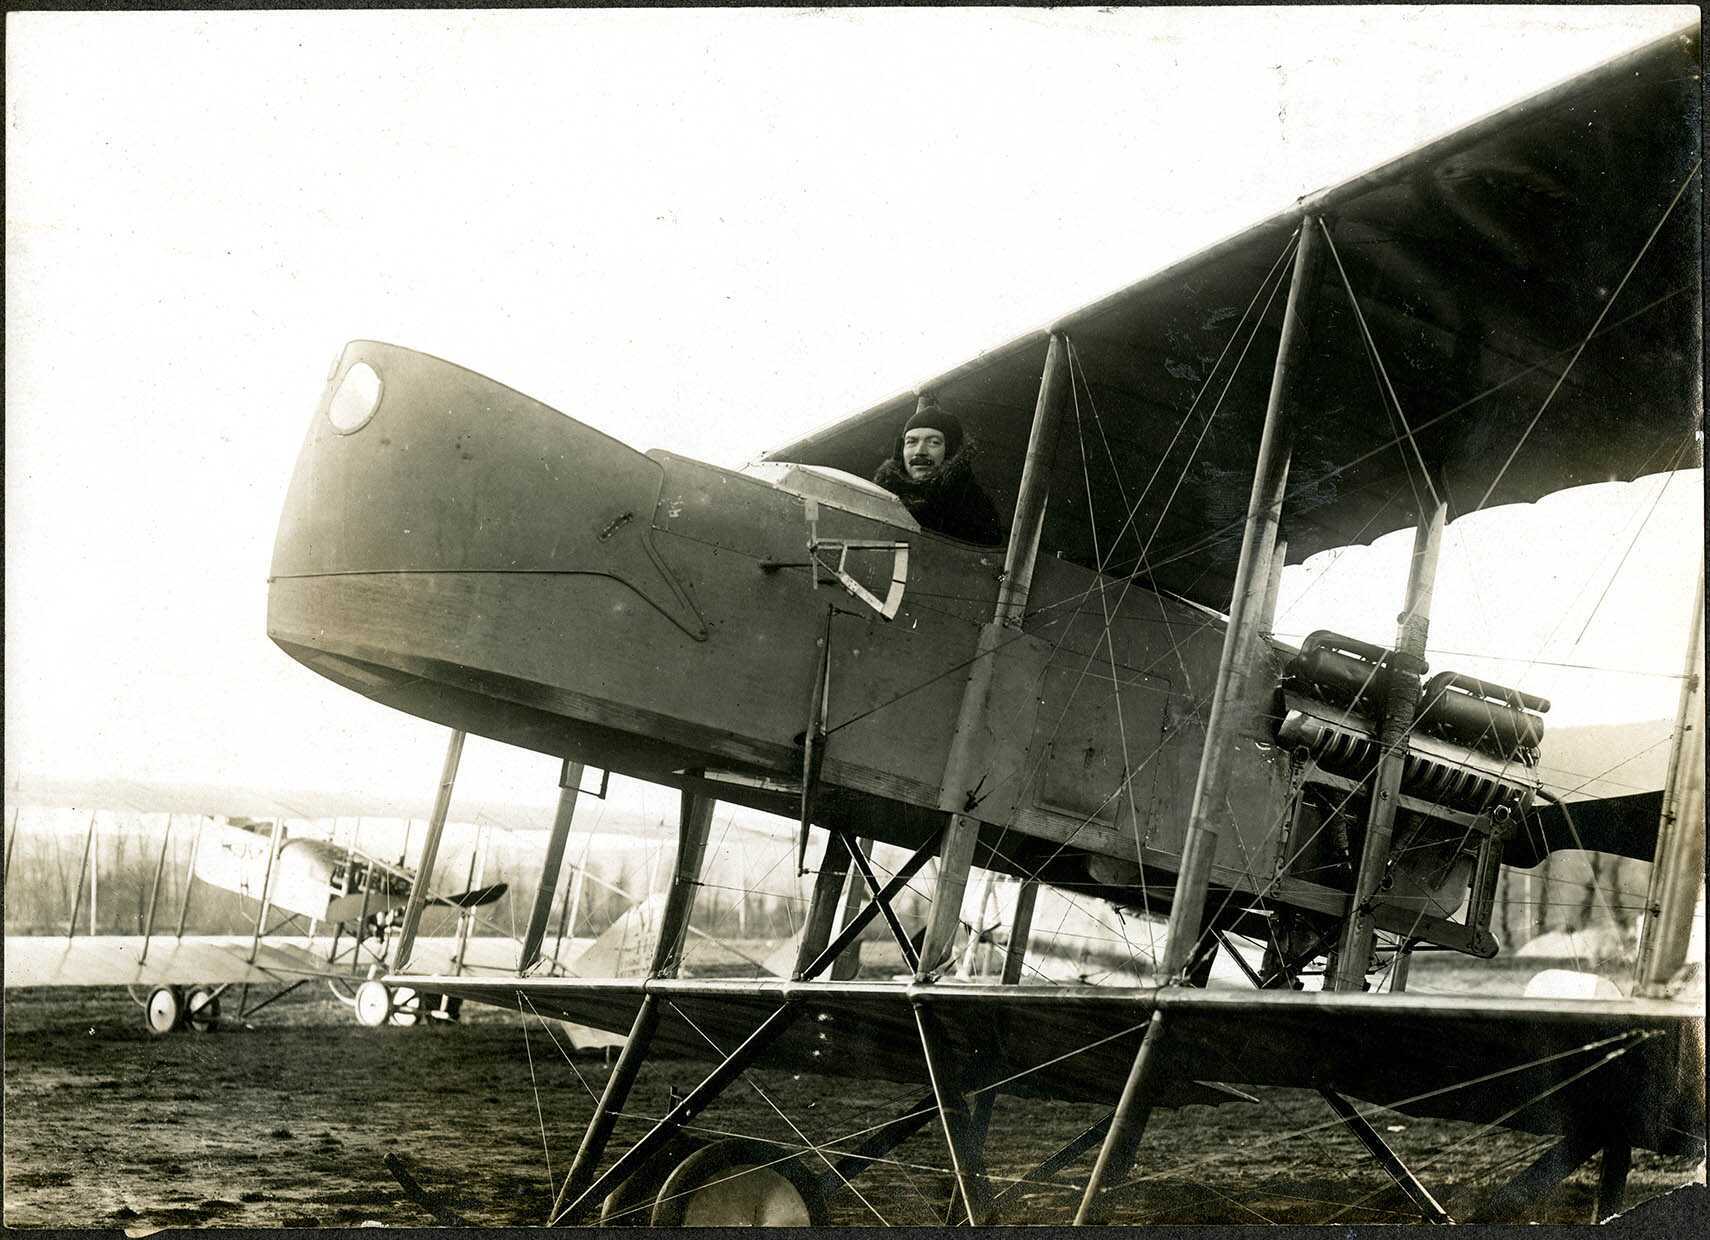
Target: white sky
{"points": [[709, 231]]}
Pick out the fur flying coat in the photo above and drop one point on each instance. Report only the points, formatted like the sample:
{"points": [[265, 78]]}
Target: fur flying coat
{"points": [[950, 502]]}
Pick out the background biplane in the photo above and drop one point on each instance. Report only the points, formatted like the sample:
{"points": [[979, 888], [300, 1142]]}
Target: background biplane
{"points": [[121, 882], [1100, 705], [296, 883]]}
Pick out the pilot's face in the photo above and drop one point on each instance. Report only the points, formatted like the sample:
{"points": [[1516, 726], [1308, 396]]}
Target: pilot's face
{"points": [[923, 453]]}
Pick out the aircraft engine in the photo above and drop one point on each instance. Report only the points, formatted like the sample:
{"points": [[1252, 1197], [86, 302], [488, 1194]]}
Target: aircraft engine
{"points": [[1470, 769]]}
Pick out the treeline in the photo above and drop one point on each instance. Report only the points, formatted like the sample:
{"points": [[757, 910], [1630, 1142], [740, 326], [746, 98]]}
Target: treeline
{"points": [[1573, 892], [749, 890]]}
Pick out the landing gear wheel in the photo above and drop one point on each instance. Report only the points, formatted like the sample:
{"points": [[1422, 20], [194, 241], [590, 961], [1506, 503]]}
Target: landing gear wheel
{"points": [[631, 1203], [202, 1011], [740, 1183], [406, 1007], [164, 1010], [373, 1004]]}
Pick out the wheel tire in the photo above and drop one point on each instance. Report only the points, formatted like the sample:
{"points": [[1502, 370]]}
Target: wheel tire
{"points": [[631, 1203], [739, 1183], [202, 1010], [373, 1004], [406, 1007], [164, 1011]]}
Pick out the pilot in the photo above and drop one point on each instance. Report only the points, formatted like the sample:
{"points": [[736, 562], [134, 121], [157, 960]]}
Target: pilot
{"points": [[931, 471]]}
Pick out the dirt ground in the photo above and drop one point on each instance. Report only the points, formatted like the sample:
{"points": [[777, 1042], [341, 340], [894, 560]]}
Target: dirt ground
{"points": [[289, 1123]]}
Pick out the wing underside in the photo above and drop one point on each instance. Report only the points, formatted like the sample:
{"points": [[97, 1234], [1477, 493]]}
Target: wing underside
{"points": [[1530, 286], [1541, 1065]]}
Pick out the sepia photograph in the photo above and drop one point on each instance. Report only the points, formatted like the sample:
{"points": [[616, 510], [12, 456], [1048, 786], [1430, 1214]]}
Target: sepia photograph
{"points": [[854, 617]]}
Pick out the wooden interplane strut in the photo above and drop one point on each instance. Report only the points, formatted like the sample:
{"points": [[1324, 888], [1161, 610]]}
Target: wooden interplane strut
{"points": [[1401, 704], [1677, 876], [430, 852], [1379, 1149], [569, 787], [695, 824], [1127, 1122], [964, 1142], [956, 790], [1258, 540]]}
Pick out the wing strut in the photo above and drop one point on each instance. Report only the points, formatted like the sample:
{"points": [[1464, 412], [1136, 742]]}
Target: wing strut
{"points": [[430, 853], [1231, 695], [632, 1159], [273, 841], [190, 875], [154, 891], [848, 965], [1127, 1122], [956, 795], [695, 824], [82, 869], [569, 785], [883, 901], [11, 843], [1379, 1149], [1400, 704], [881, 1140], [1552, 1167], [827, 895], [1677, 876], [959, 1129]]}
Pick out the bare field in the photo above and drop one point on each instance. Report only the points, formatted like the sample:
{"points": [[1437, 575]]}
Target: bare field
{"points": [[289, 1123]]}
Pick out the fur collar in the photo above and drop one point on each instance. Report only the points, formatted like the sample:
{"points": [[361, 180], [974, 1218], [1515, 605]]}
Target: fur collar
{"points": [[958, 471]]}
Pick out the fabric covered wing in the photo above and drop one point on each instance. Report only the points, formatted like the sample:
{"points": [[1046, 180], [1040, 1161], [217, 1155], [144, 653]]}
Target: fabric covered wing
{"points": [[1492, 270], [120, 960], [214, 959], [1624, 825], [1633, 1068]]}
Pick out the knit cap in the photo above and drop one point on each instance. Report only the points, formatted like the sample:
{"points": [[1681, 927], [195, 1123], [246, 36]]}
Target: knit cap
{"points": [[928, 414]]}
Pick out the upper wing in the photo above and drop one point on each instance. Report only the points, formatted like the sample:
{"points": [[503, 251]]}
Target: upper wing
{"points": [[1636, 1068], [1487, 265]]}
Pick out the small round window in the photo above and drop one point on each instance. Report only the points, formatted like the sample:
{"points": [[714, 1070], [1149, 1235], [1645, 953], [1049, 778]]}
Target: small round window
{"points": [[357, 398]]}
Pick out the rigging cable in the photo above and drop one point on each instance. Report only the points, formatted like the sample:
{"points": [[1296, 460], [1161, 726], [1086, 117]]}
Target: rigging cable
{"points": [[1223, 533], [1607, 305], [1376, 361]]}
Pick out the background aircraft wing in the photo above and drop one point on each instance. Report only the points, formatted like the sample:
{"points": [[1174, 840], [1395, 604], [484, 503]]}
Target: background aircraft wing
{"points": [[1625, 826], [1531, 288], [119, 960], [1538, 1064], [213, 959]]}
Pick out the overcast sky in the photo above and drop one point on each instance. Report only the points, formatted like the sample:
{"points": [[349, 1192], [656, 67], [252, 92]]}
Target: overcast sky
{"points": [[709, 231]]}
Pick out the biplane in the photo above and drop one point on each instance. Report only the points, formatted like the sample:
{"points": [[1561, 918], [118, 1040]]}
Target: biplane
{"points": [[300, 886], [288, 863], [1099, 704]]}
